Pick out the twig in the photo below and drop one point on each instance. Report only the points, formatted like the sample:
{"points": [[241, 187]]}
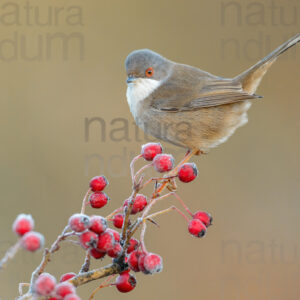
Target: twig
{"points": [[10, 254], [87, 262], [47, 254], [86, 277]]}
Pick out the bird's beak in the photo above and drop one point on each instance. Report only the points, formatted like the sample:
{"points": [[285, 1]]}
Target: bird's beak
{"points": [[130, 79]]}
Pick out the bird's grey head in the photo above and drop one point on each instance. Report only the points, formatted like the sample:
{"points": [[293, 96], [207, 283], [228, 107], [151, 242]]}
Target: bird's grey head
{"points": [[146, 64]]}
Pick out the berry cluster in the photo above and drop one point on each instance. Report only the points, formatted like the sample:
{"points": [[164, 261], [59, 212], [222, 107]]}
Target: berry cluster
{"points": [[113, 235], [23, 227], [46, 286]]}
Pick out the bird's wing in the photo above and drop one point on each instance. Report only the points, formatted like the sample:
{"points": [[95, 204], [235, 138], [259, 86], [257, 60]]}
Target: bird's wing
{"points": [[196, 93]]}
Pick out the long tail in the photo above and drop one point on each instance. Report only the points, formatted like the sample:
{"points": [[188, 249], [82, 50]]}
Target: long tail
{"points": [[250, 79]]}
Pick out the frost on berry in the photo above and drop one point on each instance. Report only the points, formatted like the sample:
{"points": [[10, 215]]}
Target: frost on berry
{"points": [[67, 276], [106, 241], [133, 244], [139, 203], [116, 251], [196, 228], [125, 282], [118, 220], [133, 260], [141, 262], [45, 284], [88, 239], [204, 217], [98, 183], [163, 162], [115, 233], [98, 224], [23, 224], [150, 150], [98, 199], [96, 253], [79, 222], [32, 241], [187, 172], [63, 289], [152, 263]]}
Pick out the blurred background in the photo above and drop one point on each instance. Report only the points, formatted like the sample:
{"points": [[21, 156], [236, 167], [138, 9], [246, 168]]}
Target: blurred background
{"points": [[65, 118]]}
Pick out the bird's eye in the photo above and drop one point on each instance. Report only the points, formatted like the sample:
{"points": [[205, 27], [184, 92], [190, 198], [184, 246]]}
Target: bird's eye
{"points": [[149, 72]]}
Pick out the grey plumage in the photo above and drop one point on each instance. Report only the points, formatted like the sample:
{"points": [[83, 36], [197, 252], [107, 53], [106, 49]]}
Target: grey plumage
{"points": [[210, 108]]}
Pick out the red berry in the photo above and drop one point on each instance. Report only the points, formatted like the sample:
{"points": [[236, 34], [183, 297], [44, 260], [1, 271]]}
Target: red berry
{"points": [[64, 288], [98, 224], [79, 222], [150, 150], [139, 203], [118, 220], [23, 224], [187, 172], [125, 282], [106, 241], [204, 217], [163, 162], [96, 254], [88, 239], [72, 297], [45, 284], [133, 260], [98, 183], [116, 251], [141, 262], [32, 241], [98, 199], [197, 228], [153, 263], [133, 244], [53, 298], [115, 233], [67, 276]]}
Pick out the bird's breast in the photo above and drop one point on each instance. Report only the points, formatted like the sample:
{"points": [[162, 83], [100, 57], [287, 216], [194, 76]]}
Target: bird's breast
{"points": [[139, 91]]}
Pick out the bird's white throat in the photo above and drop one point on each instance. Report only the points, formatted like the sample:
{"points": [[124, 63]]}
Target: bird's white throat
{"points": [[140, 90]]}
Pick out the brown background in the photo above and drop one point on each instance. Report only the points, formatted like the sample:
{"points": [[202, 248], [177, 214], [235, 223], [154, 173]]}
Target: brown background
{"points": [[250, 184]]}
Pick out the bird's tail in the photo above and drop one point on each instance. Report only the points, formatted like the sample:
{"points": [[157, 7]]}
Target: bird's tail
{"points": [[251, 78]]}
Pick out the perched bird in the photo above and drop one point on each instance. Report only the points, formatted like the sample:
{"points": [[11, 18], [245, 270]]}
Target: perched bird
{"points": [[189, 107]]}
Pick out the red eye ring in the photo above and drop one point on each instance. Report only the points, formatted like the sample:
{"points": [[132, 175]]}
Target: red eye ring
{"points": [[149, 72]]}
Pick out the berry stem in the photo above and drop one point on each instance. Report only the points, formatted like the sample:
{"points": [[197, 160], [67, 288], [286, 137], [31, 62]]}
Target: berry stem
{"points": [[141, 170], [84, 201], [171, 208], [21, 286], [102, 285], [183, 204], [142, 237], [114, 213], [132, 166], [10, 254]]}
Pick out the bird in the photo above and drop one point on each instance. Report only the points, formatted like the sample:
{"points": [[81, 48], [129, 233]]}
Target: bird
{"points": [[188, 107]]}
